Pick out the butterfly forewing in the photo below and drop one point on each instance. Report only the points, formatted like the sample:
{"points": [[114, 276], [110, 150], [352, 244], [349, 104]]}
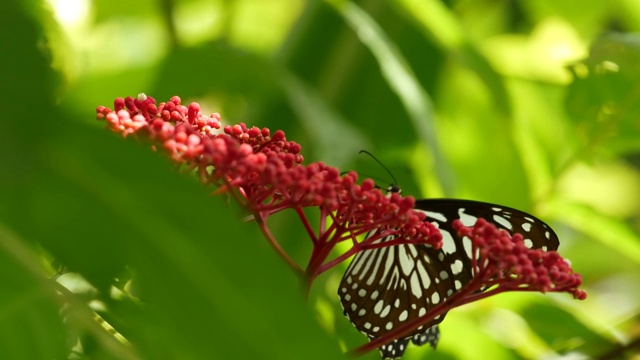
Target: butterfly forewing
{"points": [[536, 233], [386, 287]]}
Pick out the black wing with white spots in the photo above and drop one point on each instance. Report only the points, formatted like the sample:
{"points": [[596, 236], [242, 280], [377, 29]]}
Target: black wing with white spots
{"points": [[386, 287]]}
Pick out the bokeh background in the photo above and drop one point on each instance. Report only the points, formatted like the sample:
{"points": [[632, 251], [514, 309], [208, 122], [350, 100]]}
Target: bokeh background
{"points": [[106, 252]]}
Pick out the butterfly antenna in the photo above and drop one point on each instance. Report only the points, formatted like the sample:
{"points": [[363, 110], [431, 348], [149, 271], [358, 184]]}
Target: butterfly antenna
{"points": [[395, 182]]}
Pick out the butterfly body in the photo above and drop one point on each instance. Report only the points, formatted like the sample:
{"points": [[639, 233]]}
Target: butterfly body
{"points": [[388, 286]]}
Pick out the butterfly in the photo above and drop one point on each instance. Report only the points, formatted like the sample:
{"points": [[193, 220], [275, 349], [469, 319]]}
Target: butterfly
{"points": [[386, 287]]}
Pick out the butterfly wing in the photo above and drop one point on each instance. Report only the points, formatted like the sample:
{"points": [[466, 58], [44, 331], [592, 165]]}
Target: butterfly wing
{"points": [[537, 234], [386, 287]]}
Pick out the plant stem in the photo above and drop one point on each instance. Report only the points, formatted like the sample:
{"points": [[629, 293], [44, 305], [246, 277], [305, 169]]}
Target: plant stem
{"points": [[262, 224]]}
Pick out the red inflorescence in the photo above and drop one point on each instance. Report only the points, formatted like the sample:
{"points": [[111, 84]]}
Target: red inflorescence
{"points": [[265, 172], [506, 261]]}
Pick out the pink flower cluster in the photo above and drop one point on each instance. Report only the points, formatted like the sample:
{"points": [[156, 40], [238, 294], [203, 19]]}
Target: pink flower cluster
{"points": [[506, 261], [264, 172]]}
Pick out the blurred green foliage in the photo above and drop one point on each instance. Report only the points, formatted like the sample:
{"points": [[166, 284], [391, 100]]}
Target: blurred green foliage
{"points": [[531, 104]]}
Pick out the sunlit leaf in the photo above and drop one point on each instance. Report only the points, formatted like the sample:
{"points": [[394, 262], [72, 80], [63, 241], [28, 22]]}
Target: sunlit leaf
{"points": [[604, 98], [401, 79]]}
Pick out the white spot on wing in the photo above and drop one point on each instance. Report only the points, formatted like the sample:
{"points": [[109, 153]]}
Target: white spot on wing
{"points": [[467, 220], [456, 267], [378, 307], [434, 215], [413, 250], [435, 298], [406, 262], [468, 246], [526, 227], [444, 275], [458, 284], [385, 311], [502, 221], [448, 244], [359, 260], [426, 280], [416, 289], [388, 265], [372, 277]]}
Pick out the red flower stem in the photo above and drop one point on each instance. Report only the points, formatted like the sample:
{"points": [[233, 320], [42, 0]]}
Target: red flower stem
{"points": [[474, 261], [396, 242], [321, 251], [269, 209], [262, 224], [235, 193], [338, 225], [325, 234], [498, 290], [324, 267], [453, 301], [323, 220], [306, 224]]}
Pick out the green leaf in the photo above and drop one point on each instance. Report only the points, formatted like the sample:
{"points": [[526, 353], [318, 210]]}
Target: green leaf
{"points": [[562, 330], [338, 142], [603, 100], [30, 322], [437, 22], [402, 80], [612, 232]]}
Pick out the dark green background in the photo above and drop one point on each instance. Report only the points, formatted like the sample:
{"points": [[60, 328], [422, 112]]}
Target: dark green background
{"points": [[530, 104]]}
